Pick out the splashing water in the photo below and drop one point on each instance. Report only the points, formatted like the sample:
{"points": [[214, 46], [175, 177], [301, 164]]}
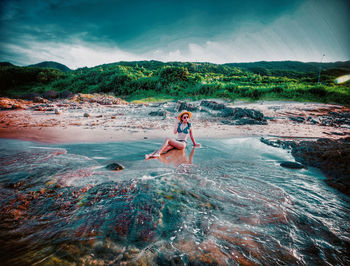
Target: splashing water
{"points": [[233, 204]]}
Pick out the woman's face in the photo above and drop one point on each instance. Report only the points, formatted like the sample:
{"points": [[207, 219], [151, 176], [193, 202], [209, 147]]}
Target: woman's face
{"points": [[184, 118]]}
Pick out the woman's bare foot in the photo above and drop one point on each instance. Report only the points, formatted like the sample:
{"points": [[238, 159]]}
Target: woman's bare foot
{"points": [[152, 155], [157, 154]]}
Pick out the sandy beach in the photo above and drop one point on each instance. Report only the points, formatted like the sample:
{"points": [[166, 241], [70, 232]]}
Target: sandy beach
{"points": [[85, 120]]}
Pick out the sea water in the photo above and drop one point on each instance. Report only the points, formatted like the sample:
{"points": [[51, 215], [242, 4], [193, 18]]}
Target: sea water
{"points": [[227, 202]]}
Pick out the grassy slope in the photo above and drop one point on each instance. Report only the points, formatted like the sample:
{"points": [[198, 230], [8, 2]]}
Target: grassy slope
{"points": [[154, 80]]}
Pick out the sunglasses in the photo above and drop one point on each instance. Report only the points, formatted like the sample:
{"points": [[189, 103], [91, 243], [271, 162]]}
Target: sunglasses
{"points": [[185, 117]]}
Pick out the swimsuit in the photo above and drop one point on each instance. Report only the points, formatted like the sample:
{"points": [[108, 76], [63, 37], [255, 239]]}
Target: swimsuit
{"points": [[185, 130], [183, 133]]}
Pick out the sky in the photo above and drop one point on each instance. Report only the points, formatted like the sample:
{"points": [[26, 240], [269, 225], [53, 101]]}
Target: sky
{"points": [[81, 33]]}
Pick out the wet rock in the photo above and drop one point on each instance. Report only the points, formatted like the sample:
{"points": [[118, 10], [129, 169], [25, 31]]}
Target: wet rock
{"points": [[213, 105], [86, 115], [292, 165], [50, 94], [331, 156], [289, 144], [57, 112], [115, 167]]}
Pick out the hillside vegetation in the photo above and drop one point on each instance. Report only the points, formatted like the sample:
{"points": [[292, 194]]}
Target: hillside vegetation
{"points": [[156, 80]]}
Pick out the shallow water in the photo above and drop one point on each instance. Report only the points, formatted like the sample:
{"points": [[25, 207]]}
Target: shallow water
{"points": [[232, 205]]}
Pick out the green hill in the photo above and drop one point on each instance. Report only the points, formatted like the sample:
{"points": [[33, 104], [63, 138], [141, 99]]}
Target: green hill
{"points": [[287, 80], [51, 64]]}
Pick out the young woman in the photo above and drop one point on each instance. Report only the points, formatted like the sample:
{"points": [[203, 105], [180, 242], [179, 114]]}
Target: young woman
{"points": [[183, 129]]}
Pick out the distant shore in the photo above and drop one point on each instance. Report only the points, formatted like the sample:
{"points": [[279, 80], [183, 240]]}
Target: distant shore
{"points": [[91, 118]]}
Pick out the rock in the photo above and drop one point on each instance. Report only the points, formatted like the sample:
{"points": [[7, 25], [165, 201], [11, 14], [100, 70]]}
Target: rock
{"points": [[243, 116], [98, 98], [160, 112], [298, 119], [51, 94], [332, 157], [335, 119], [187, 106], [38, 99], [57, 112], [115, 167], [244, 121], [213, 105], [292, 165], [238, 112], [86, 115], [289, 144], [30, 96], [66, 94], [8, 104]]}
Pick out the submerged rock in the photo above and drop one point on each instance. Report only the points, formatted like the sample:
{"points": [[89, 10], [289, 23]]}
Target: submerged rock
{"points": [[292, 165], [115, 167]]}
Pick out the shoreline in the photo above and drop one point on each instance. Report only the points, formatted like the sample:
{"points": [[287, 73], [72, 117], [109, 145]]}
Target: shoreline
{"points": [[71, 121]]}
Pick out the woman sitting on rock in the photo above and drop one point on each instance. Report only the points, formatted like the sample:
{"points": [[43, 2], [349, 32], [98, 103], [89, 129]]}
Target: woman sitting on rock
{"points": [[182, 128]]}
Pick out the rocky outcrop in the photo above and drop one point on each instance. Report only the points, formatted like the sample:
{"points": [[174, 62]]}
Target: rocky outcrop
{"points": [[159, 112], [103, 99], [8, 104], [332, 157], [242, 116], [336, 119], [66, 94], [213, 105], [187, 106], [51, 94]]}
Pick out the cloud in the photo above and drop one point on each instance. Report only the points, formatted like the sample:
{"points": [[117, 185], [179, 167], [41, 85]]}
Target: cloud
{"points": [[81, 33]]}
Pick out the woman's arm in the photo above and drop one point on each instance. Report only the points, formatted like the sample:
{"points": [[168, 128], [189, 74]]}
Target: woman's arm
{"points": [[192, 138]]}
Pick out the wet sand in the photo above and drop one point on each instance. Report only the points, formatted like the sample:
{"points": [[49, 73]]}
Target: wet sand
{"points": [[66, 121]]}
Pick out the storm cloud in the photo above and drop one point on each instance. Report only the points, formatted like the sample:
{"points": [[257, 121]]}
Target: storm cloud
{"points": [[81, 32]]}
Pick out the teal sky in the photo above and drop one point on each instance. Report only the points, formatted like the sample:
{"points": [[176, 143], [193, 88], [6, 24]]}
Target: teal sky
{"points": [[81, 33]]}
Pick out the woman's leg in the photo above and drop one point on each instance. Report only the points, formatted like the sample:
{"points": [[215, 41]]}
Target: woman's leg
{"points": [[167, 146], [173, 143]]}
